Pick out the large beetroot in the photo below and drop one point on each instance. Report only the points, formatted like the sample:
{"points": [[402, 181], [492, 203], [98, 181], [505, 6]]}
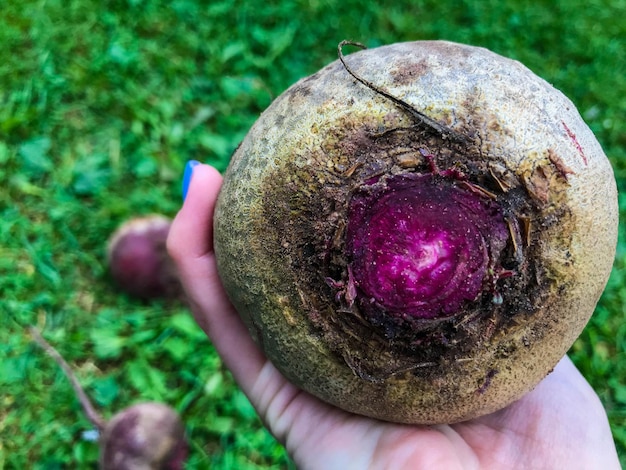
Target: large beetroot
{"points": [[418, 232]]}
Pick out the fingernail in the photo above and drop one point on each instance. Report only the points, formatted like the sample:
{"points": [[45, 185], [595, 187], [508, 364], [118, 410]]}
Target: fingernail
{"points": [[191, 164]]}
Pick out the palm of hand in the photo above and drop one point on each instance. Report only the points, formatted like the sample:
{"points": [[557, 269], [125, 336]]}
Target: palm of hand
{"points": [[548, 428], [560, 424]]}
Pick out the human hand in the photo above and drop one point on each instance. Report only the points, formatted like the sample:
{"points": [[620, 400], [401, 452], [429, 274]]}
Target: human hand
{"points": [[561, 424]]}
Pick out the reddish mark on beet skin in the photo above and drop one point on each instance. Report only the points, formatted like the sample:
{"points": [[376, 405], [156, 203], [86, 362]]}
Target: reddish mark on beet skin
{"points": [[573, 137], [488, 378]]}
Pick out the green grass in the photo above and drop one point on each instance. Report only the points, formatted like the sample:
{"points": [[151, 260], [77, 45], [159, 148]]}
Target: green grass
{"points": [[101, 104]]}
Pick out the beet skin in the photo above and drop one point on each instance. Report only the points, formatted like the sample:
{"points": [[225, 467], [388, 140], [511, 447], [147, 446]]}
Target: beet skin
{"points": [[417, 232]]}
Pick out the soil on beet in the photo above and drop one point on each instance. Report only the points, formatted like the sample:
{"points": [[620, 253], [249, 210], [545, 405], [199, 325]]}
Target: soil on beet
{"points": [[305, 215]]}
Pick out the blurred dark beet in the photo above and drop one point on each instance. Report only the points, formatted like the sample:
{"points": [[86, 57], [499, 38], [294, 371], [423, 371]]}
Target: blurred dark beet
{"points": [[146, 436], [138, 259]]}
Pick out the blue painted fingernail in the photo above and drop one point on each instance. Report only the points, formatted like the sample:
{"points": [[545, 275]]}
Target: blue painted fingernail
{"points": [[191, 164]]}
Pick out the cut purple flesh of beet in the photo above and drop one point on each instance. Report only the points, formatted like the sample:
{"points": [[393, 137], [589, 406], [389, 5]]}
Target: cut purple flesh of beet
{"points": [[422, 245]]}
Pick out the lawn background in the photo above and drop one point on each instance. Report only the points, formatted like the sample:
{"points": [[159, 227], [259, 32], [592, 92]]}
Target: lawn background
{"points": [[102, 103]]}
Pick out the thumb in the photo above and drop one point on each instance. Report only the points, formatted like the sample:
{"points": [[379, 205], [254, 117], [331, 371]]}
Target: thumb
{"points": [[190, 245]]}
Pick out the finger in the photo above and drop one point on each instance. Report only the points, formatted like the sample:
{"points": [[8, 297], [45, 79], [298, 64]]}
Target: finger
{"points": [[190, 244]]}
